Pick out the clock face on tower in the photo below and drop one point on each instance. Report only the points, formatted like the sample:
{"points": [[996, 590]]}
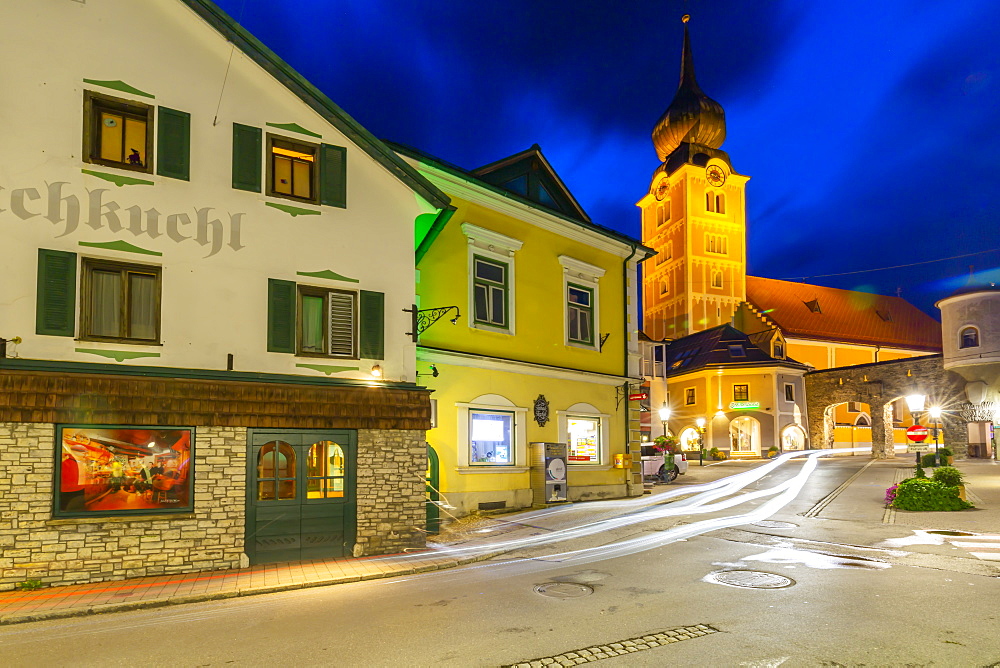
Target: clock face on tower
{"points": [[715, 175], [661, 190]]}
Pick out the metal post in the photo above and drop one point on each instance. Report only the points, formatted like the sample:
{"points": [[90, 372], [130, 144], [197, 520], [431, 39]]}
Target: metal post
{"points": [[701, 447]]}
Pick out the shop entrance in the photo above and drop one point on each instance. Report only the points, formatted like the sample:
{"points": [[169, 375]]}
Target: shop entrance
{"points": [[744, 432], [301, 495]]}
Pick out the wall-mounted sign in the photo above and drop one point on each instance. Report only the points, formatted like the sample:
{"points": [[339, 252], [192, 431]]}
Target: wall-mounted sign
{"points": [[637, 397], [541, 410], [744, 405]]}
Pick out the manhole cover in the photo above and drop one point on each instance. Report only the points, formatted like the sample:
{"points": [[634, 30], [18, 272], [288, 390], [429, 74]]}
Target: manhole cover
{"points": [[563, 589], [952, 533], [774, 524], [750, 579]]}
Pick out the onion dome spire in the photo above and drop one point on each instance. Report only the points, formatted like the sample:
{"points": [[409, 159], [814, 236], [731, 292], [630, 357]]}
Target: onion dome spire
{"points": [[692, 116]]}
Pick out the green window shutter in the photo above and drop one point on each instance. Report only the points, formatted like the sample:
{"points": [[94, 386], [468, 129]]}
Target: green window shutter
{"points": [[247, 147], [333, 176], [372, 325], [280, 316], [173, 144], [56, 303]]}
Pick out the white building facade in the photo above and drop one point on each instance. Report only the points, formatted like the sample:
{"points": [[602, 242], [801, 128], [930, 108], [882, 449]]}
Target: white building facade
{"points": [[202, 319]]}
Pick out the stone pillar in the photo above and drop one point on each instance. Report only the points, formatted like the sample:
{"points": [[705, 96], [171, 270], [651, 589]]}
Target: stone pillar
{"points": [[882, 438], [829, 428]]}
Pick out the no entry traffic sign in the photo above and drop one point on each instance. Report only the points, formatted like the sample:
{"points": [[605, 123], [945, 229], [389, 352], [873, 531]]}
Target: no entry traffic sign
{"points": [[917, 433]]}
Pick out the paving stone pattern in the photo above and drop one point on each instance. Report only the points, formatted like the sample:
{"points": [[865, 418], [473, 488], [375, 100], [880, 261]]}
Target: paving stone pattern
{"points": [[598, 652]]}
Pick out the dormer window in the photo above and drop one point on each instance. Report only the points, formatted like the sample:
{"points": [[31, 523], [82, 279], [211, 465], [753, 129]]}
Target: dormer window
{"points": [[736, 350], [969, 338], [885, 315], [779, 350], [813, 305]]}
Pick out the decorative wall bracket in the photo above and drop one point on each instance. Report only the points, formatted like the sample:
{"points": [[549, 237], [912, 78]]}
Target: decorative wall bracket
{"points": [[422, 319]]}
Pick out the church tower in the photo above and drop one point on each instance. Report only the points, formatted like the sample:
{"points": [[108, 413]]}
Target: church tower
{"points": [[694, 215]]}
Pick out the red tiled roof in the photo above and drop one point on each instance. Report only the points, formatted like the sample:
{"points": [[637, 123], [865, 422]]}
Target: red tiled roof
{"points": [[843, 315]]}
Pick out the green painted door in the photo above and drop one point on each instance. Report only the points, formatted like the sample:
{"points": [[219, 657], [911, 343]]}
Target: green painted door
{"points": [[301, 495], [433, 496]]}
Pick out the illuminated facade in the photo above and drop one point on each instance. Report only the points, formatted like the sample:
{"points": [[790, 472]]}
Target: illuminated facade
{"points": [[546, 342], [694, 216]]}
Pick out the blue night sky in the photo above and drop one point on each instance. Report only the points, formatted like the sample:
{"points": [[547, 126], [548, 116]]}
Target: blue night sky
{"points": [[870, 129]]}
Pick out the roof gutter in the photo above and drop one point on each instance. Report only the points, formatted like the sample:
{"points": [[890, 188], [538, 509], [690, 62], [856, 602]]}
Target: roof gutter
{"points": [[444, 215]]}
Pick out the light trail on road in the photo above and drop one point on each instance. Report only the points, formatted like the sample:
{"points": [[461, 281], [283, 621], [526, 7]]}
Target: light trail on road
{"points": [[704, 499]]}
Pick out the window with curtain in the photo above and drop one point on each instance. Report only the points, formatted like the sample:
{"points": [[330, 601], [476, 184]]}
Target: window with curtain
{"points": [[120, 301], [327, 322]]}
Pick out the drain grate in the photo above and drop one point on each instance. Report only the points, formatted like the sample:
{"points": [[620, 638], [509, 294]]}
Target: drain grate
{"points": [[563, 589], [598, 652], [952, 533], [774, 524], [750, 579]]}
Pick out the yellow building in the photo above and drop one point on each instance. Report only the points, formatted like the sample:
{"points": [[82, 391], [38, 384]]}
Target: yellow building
{"points": [[546, 343], [725, 389], [694, 216]]}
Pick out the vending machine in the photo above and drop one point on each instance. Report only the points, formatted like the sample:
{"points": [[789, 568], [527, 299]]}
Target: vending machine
{"points": [[548, 473]]}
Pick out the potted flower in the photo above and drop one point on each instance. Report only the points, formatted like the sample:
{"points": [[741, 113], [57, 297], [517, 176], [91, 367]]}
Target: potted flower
{"points": [[947, 456], [666, 446], [772, 452]]}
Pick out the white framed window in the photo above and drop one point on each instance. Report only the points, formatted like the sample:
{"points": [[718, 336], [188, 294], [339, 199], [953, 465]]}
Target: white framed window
{"points": [[580, 285], [491, 435], [586, 432], [491, 279]]}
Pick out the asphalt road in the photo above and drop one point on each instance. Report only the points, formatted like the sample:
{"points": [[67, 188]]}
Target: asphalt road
{"points": [[845, 606]]}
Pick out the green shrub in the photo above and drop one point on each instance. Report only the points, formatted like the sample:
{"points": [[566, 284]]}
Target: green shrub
{"points": [[949, 476], [929, 460], [923, 494], [919, 473], [946, 452], [30, 585]]}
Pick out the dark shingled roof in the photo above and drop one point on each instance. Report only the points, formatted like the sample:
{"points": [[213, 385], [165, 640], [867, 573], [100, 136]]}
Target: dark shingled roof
{"points": [[722, 345]]}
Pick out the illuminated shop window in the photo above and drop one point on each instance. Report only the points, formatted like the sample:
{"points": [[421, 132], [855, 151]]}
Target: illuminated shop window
{"points": [[122, 470], [584, 439], [491, 437]]}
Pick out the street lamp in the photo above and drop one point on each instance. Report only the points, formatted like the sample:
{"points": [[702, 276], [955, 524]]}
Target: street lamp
{"points": [[664, 417], [935, 412], [701, 440], [915, 402]]}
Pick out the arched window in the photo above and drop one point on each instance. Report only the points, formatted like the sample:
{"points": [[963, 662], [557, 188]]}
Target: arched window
{"points": [[716, 279], [720, 203], [969, 338], [659, 215], [709, 201], [663, 288]]}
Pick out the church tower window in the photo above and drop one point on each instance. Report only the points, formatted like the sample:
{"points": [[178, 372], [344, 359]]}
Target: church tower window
{"points": [[716, 279]]}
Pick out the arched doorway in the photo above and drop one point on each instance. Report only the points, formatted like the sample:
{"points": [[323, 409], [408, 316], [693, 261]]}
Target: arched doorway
{"points": [[689, 439], [744, 434], [793, 437]]}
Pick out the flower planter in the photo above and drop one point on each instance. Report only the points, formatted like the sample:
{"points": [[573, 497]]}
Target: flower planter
{"points": [[961, 492]]}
